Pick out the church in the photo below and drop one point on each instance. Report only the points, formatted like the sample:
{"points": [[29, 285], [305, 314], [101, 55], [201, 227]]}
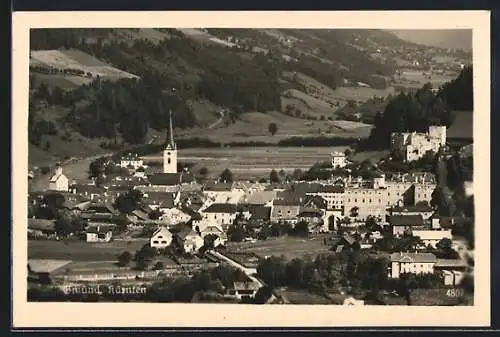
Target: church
{"points": [[170, 178]]}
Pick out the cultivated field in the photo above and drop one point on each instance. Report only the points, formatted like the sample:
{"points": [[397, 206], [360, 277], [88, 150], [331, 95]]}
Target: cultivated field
{"points": [[80, 250], [252, 162], [73, 59], [288, 246]]}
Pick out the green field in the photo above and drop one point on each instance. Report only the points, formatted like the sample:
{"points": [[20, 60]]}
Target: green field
{"points": [[288, 246], [80, 250]]}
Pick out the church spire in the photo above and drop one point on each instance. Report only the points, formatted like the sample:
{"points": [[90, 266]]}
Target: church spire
{"points": [[170, 132]]}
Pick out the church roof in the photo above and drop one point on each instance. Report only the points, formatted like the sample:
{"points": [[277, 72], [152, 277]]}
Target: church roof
{"points": [[164, 179]]}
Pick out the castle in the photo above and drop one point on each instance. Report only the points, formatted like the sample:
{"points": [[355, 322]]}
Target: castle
{"points": [[413, 146], [170, 151]]}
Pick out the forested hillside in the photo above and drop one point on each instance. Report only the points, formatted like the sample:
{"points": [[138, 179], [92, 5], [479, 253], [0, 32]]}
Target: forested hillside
{"points": [[115, 85]]}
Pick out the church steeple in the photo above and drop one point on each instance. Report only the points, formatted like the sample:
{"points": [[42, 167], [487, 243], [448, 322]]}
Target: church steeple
{"points": [[170, 133]]}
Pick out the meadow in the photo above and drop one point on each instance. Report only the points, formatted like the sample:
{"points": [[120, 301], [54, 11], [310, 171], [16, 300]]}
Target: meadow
{"points": [[252, 162], [76, 60], [288, 246], [81, 250]]}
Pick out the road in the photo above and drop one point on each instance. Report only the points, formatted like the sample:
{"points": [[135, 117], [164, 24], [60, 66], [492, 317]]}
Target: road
{"points": [[249, 272], [219, 121]]}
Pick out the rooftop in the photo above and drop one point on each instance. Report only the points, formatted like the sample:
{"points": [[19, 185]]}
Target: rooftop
{"points": [[406, 220], [413, 257], [412, 208], [221, 208]]}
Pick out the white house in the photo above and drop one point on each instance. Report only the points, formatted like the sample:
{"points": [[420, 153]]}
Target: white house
{"points": [[98, 234], [131, 160], [352, 301], [221, 214], [432, 237], [411, 263], [192, 241], [59, 182], [161, 238], [217, 231], [243, 290], [339, 159]]}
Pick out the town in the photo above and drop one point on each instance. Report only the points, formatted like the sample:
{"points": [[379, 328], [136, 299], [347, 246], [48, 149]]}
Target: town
{"points": [[249, 166], [135, 223]]}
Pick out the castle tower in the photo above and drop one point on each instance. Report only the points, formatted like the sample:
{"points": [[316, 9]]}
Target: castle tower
{"points": [[170, 151], [438, 132]]}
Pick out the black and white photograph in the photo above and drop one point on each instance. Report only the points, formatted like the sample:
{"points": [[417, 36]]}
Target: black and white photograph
{"points": [[254, 167]]}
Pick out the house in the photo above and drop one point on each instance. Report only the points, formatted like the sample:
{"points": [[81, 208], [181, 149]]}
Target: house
{"points": [[432, 237], [452, 270], [259, 213], [259, 197], [221, 237], [59, 182], [352, 301], [402, 223], [98, 234], [161, 238], [89, 191], [174, 216], [339, 159], [132, 161], [243, 290], [220, 214], [346, 242], [223, 193], [314, 218], [286, 207], [190, 240], [424, 210], [411, 263], [161, 200]]}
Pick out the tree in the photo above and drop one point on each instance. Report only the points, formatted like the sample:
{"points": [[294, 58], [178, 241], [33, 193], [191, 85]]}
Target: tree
{"points": [[129, 202], [124, 259], [262, 295], [272, 128], [301, 228], [236, 232], [297, 174], [226, 176], [158, 266], [274, 177], [203, 171]]}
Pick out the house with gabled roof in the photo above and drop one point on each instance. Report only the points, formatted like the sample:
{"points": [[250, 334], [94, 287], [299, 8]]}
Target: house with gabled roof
{"points": [[221, 237], [403, 223], [424, 210], [190, 240], [220, 214], [58, 182], [98, 233], [286, 207], [411, 263], [161, 238]]}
